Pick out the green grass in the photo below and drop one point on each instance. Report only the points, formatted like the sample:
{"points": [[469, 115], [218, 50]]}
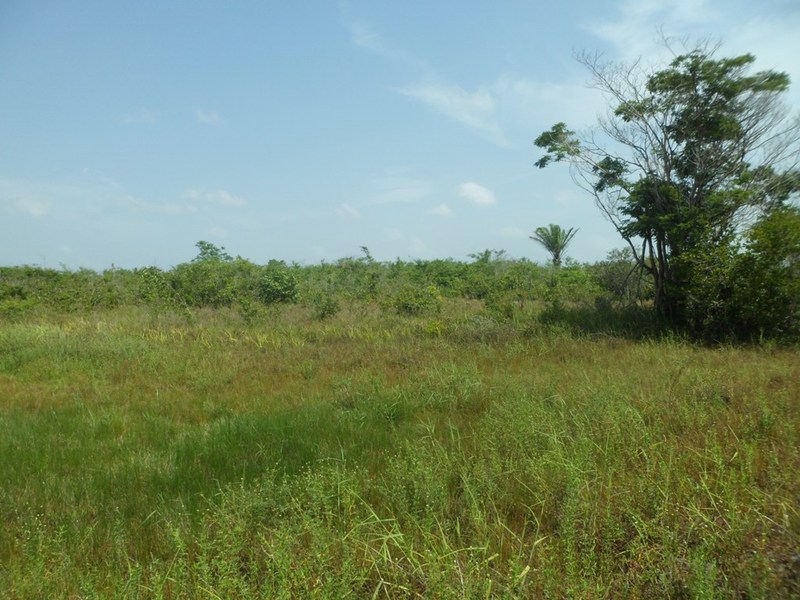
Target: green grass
{"points": [[193, 455]]}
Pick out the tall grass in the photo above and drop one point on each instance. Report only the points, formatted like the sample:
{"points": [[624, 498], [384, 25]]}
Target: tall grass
{"points": [[198, 455]]}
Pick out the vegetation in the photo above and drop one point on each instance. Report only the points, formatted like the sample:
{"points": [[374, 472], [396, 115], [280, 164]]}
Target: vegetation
{"points": [[438, 429], [555, 240], [696, 151]]}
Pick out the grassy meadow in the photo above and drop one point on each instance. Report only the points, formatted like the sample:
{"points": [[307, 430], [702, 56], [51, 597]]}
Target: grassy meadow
{"points": [[195, 454]]}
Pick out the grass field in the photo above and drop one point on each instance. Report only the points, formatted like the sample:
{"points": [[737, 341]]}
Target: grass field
{"points": [[191, 454]]}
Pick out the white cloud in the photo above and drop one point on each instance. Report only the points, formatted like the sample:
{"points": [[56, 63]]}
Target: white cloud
{"points": [[207, 117], [533, 105], [473, 109], [40, 198], [767, 30], [476, 194], [346, 209], [34, 208], [220, 197], [192, 201], [392, 189], [365, 36], [635, 32], [441, 211]]}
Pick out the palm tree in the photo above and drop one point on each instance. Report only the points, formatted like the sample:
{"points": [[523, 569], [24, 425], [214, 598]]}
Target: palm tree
{"points": [[555, 240]]}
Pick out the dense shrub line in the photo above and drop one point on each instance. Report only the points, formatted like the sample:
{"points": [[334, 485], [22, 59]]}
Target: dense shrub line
{"points": [[214, 279], [741, 296]]}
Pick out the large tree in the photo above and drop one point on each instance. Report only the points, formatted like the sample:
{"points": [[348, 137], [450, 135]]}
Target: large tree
{"points": [[684, 158]]}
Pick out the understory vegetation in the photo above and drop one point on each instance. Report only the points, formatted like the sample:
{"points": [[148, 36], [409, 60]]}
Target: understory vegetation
{"points": [[428, 429]]}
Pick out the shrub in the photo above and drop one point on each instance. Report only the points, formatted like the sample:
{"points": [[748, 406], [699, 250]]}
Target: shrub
{"points": [[204, 283], [152, 285], [621, 278], [324, 305], [412, 301], [277, 284], [767, 277]]}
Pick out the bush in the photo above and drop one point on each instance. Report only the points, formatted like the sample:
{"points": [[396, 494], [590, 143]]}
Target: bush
{"points": [[205, 283], [152, 285], [277, 284], [325, 305], [621, 279], [413, 301]]}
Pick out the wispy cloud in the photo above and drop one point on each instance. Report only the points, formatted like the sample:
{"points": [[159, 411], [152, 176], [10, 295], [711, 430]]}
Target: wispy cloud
{"points": [[191, 202], [476, 109], [219, 197], [392, 189], [34, 208], [476, 194], [39, 198], [509, 103], [365, 36], [207, 117], [768, 30], [348, 210], [441, 211], [532, 105], [639, 26]]}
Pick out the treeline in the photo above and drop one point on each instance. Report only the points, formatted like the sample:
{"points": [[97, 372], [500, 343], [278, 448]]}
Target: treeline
{"points": [[508, 287], [750, 303]]}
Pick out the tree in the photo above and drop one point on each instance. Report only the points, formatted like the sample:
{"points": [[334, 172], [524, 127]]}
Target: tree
{"points": [[687, 156], [555, 240], [209, 252]]}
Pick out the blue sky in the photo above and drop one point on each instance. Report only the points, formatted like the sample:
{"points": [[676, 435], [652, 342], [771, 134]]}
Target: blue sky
{"points": [[304, 130]]}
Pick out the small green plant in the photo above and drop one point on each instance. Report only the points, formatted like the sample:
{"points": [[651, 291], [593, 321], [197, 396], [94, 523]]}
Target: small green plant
{"points": [[324, 304]]}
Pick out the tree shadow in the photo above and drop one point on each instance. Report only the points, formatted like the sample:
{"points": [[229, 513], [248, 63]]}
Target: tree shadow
{"points": [[634, 322]]}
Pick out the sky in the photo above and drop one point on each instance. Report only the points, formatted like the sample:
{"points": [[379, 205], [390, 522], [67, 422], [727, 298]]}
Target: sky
{"points": [[302, 131]]}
